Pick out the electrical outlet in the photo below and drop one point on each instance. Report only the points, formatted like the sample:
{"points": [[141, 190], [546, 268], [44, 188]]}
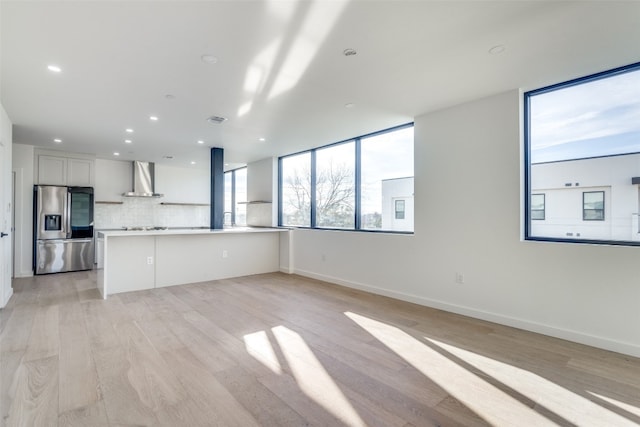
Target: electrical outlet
{"points": [[459, 278], [225, 253], [149, 260]]}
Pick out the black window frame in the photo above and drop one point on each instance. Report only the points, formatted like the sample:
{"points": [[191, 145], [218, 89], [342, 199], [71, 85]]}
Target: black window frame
{"points": [[527, 154], [233, 194], [544, 207], [357, 183], [584, 210]]}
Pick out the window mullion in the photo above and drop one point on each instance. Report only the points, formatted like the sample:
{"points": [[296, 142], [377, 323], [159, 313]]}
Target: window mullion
{"points": [[357, 184], [312, 219], [233, 197], [280, 183]]}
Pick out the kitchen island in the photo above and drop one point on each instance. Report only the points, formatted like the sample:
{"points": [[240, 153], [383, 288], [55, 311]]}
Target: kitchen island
{"points": [[136, 260]]}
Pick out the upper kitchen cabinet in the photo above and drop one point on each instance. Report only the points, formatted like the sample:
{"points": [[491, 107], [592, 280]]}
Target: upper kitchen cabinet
{"points": [[51, 170], [63, 169], [80, 172]]}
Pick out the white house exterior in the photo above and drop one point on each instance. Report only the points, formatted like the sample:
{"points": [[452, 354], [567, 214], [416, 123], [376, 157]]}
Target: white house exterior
{"points": [[563, 185], [397, 204]]}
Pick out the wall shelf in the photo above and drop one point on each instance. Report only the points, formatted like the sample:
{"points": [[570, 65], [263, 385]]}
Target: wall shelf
{"points": [[184, 204]]}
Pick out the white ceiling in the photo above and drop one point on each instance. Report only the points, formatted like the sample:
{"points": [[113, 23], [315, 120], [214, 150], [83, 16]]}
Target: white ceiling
{"points": [[281, 73]]}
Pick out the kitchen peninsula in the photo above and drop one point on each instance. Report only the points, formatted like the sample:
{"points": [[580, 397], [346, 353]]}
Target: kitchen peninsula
{"points": [[137, 260]]}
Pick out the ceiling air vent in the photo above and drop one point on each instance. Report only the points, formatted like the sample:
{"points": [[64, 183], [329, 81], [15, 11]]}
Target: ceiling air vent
{"points": [[216, 120]]}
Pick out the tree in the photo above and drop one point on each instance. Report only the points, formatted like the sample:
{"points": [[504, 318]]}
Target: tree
{"points": [[334, 196]]}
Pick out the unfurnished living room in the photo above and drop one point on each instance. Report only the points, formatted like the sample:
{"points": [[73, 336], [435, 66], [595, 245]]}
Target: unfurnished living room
{"points": [[319, 213]]}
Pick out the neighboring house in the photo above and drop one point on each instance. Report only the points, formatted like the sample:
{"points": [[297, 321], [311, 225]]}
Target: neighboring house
{"points": [[592, 198], [397, 204]]}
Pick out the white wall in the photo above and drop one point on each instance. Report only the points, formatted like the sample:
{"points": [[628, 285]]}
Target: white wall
{"points": [[23, 168], [262, 185], [183, 185], [468, 220], [112, 178], [179, 185]]}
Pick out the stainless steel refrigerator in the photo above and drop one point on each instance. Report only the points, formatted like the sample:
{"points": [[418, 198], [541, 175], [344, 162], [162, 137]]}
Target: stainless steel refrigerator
{"points": [[63, 229]]}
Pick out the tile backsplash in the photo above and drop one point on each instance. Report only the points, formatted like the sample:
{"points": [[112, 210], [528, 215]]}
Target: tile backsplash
{"points": [[147, 212]]}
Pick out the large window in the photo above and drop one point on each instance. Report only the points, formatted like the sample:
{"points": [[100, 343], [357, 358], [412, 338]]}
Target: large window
{"points": [[335, 186], [235, 197], [361, 184], [387, 175], [582, 155], [295, 187]]}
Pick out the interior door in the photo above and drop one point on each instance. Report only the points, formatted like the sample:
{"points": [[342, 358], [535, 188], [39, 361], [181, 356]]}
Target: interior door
{"points": [[5, 227]]}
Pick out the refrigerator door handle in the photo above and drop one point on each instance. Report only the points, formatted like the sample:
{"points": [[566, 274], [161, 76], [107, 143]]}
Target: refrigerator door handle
{"points": [[68, 216]]}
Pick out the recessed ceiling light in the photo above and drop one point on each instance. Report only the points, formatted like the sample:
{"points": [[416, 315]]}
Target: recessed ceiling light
{"points": [[54, 68], [57, 140], [153, 118], [495, 50], [261, 139], [226, 164], [128, 130], [193, 163], [116, 153], [127, 141], [200, 141], [349, 52], [209, 59], [349, 105]]}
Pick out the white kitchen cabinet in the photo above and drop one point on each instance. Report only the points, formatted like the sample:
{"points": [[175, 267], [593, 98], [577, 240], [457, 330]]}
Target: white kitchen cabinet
{"points": [[52, 170], [80, 172], [58, 170]]}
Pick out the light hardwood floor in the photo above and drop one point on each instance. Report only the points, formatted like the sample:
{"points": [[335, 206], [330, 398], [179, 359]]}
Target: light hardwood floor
{"points": [[280, 350]]}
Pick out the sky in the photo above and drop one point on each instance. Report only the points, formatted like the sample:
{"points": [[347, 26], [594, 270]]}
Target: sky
{"points": [[598, 118]]}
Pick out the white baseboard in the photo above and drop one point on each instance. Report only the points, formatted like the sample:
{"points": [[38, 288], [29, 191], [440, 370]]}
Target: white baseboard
{"points": [[566, 334], [23, 274], [7, 298]]}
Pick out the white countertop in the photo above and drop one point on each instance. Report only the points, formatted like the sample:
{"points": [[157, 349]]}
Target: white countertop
{"points": [[179, 232]]}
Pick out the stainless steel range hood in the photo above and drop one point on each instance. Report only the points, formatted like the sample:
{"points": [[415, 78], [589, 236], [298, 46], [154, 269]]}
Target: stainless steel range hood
{"points": [[143, 180]]}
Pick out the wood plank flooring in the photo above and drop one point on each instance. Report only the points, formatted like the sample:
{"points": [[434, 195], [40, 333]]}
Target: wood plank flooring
{"points": [[282, 350]]}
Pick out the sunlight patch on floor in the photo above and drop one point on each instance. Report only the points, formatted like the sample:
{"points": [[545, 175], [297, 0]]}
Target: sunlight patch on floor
{"points": [[258, 346], [313, 379], [622, 405], [487, 401], [563, 402]]}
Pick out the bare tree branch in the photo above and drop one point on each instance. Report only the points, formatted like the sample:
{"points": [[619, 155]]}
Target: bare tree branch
{"points": [[334, 195]]}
